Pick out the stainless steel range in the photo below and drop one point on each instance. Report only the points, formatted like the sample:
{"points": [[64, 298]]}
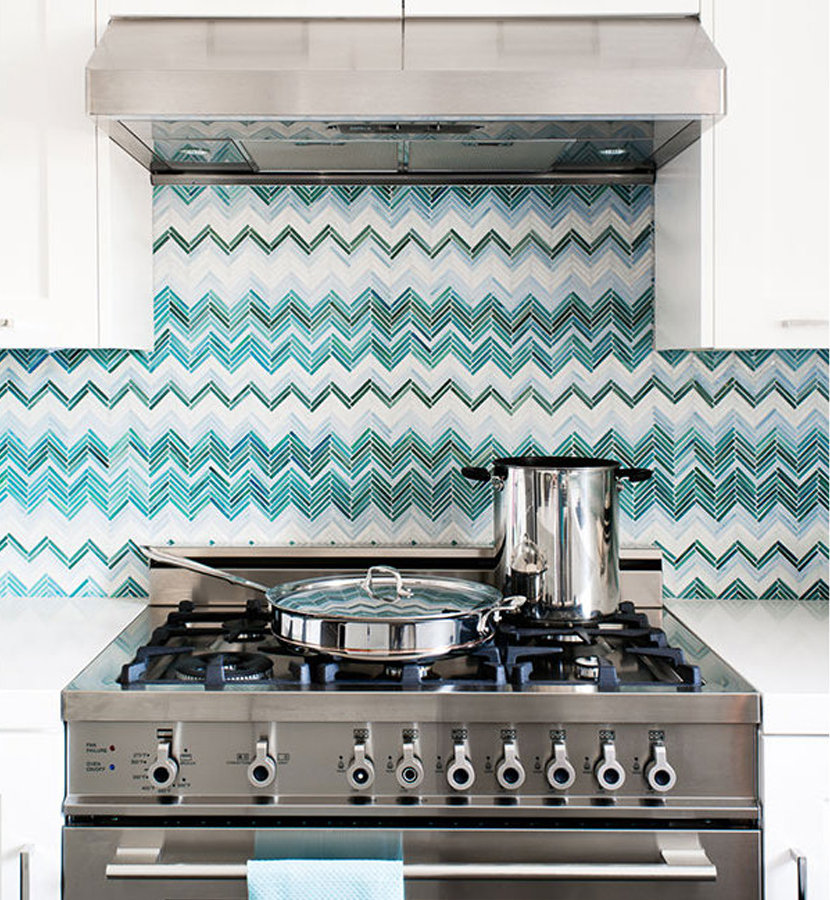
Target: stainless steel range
{"points": [[609, 758]]}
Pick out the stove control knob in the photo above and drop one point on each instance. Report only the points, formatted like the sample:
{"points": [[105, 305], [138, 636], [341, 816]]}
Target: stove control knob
{"points": [[410, 770], [659, 774], [263, 770], [559, 772], [164, 768], [610, 774], [460, 772], [510, 773], [361, 771]]}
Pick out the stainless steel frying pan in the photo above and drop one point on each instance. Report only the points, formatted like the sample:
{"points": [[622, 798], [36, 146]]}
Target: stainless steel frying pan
{"points": [[382, 615]]}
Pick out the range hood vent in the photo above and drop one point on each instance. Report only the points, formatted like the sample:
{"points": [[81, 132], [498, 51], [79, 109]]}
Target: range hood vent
{"points": [[389, 100]]}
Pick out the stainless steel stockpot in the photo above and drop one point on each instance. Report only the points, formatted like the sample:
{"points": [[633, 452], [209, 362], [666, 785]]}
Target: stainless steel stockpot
{"points": [[380, 615], [555, 530]]}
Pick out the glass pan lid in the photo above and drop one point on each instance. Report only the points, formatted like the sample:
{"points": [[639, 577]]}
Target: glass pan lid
{"points": [[384, 594]]}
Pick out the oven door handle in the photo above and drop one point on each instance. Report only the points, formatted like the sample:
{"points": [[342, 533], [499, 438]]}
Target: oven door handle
{"points": [[689, 865]]}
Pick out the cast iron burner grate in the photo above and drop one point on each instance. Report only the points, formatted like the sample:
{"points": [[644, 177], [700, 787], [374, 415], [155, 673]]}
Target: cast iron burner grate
{"points": [[186, 621], [482, 667], [216, 648], [585, 653]]}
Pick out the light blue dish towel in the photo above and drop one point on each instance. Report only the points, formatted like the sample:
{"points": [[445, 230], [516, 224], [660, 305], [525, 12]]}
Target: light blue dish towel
{"points": [[325, 879]]}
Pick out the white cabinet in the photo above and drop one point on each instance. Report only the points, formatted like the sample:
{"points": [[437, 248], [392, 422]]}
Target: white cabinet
{"points": [[796, 807], [741, 218], [70, 631], [552, 8], [357, 8], [31, 788], [55, 255], [252, 8]]}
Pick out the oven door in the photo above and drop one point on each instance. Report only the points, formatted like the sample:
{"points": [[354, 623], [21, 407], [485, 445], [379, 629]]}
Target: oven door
{"points": [[518, 863]]}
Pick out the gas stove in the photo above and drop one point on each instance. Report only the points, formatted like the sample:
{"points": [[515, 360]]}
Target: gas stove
{"points": [[197, 717]]}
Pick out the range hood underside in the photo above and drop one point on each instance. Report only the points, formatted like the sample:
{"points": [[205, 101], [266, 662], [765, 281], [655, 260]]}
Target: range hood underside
{"points": [[204, 152], [200, 101]]}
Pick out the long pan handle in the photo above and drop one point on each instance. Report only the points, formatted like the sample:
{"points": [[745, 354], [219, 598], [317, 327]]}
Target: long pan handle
{"points": [[184, 562]]}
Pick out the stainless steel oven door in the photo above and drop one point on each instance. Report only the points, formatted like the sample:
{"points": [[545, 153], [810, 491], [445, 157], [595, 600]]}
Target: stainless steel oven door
{"points": [[181, 863]]}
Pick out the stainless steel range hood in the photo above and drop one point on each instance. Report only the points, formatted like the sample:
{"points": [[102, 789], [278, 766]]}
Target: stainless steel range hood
{"points": [[388, 100]]}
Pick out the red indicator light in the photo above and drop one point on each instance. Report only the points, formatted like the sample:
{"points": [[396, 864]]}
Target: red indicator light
{"points": [[112, 747]]}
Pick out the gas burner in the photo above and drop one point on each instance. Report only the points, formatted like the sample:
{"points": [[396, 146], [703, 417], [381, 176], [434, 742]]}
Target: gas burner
{"points": [[609, 651], [586, 667], [231, 667]]}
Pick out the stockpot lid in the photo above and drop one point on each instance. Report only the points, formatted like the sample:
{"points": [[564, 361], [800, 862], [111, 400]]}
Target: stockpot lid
{"points": [[384, 594]]}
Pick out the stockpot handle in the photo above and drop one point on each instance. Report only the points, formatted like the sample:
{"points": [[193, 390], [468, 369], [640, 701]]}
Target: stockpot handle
{"points": [[476, 473], [506, 604], [479, 473], [635, 474]]}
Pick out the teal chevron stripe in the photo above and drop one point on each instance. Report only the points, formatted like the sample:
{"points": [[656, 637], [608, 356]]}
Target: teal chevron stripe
{"points": [[71, 477]]}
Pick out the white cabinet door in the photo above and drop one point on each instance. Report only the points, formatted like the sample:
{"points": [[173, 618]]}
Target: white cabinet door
{"points": [[551, 7], [757, 187], [61, 240], [31, 791], [48, 231], [796, 808], [253, 8], [771, 174], [394, 7]]}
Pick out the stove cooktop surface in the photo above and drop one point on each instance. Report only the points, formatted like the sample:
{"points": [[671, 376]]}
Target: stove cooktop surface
{"points": [[233, 649]]}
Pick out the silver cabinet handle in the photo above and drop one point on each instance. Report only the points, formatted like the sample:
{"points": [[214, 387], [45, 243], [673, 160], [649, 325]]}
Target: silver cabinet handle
{"points": [[25, 871], [801, 872], [696, 866], [804, 323]]}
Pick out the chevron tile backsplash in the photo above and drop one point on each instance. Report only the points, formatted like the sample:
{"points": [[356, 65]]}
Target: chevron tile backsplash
{"points": [[326, 358]]}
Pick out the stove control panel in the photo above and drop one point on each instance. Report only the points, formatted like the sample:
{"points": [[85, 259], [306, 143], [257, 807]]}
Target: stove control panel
{"points": [[428, 764]]}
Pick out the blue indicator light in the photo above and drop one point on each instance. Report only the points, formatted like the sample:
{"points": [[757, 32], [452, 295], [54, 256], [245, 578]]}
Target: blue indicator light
{"points": [[112, 767]]}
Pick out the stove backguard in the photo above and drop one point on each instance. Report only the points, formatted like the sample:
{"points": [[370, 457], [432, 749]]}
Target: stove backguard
{"points": [[641, 570]]}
